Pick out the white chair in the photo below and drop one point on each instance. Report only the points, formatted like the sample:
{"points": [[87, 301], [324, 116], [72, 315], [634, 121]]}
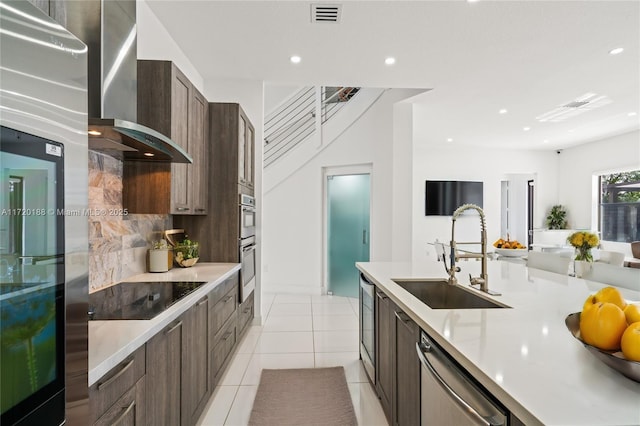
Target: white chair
{"points": [[611, 257], [552, 262], [614, 275]]}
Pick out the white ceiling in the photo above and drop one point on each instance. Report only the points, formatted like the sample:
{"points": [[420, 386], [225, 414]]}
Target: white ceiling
{"points": [[477, 57]]}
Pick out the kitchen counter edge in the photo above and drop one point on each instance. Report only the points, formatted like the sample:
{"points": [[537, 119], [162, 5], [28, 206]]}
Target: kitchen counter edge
{"points": [[111, 342]]}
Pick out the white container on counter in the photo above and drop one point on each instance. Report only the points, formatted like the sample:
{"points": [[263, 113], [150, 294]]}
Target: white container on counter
{"points": [[160, 260]]}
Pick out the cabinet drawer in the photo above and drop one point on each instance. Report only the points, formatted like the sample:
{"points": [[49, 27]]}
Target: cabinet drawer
{"points": [[223, 349], [128, 410], [224, 288], [221, 311], [245, 314], [117, 382]]}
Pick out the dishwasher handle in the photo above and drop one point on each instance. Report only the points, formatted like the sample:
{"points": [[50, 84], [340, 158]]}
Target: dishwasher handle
{"points": [[425, 347]]}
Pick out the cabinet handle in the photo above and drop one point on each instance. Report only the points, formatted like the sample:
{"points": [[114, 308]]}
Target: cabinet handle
{"points": [[381, 295], [402, 317], [124, 413], [172, 329], [199, 210], [115, 376], [247, 310], [183, 209], [228, 298], [227, 335], [202, 302]]}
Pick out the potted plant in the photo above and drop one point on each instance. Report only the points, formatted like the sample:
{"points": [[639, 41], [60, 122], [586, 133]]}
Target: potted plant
{"points": [[187, 253], [557, 217], [160, 256]]}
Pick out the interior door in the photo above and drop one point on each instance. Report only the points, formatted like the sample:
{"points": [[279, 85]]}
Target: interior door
{"points": [[348, 234]]}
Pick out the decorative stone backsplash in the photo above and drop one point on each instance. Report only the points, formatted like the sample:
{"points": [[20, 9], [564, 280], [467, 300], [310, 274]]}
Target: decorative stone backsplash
{"points": [[118, 242]]}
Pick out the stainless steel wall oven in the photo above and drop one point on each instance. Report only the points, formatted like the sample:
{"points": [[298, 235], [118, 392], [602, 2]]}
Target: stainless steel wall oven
{"points": [[247, 216], [248, 270]]}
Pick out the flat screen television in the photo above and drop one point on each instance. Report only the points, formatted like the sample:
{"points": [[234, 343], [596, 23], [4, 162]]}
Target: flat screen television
{"points": [[442, 197]]}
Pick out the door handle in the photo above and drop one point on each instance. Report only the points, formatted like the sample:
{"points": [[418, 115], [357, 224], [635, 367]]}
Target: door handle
{"points": [[364, 236]]}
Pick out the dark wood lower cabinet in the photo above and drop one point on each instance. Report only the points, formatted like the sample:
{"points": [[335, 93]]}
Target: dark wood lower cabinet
{"points": [[245, 314], [406, 401], [397, 364], [119, 396], [170, 379], [164, 376], [129, 410], [384, 314], [195, 387]]}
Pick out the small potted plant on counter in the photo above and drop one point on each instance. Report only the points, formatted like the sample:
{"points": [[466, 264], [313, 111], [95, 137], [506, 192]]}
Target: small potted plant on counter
{"points": [[187, 252], [160, 256]]}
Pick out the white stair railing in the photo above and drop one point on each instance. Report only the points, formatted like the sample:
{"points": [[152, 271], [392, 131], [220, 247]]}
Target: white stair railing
{"points": [[295, 120]]}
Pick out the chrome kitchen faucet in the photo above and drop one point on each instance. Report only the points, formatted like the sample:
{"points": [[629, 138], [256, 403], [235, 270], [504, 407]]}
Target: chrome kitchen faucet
{"points": [[481, 282]]}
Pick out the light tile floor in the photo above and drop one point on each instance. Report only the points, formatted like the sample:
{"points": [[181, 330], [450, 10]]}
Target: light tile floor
{"points": [[299, 331]]}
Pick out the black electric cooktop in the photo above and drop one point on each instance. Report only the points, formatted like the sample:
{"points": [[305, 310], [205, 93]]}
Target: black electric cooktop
{"points": [[137, 300]]}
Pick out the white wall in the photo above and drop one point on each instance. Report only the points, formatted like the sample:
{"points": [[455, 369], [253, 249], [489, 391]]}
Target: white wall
{"points": [[579, 164], [292, 214], [491, 166], [276, 94], [154, 42]]}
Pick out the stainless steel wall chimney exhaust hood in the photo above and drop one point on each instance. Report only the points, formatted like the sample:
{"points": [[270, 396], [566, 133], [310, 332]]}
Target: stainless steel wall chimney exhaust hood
{"points": [[108, 27]]}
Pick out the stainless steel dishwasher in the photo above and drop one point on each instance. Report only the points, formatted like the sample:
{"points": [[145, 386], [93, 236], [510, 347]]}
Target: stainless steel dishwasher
{"points": [[449, 396]]}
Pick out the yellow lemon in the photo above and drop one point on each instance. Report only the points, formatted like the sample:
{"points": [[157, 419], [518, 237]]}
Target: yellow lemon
{"points": [[610, 295], [602, 325], [632, 313], [630, 342]]}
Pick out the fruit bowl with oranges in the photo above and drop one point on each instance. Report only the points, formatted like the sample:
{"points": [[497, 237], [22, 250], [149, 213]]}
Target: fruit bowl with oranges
{"points": [[510, 248], [609, 327]]}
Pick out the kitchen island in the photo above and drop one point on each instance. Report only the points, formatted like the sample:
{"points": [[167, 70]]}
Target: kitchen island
{"points": [[110, 342], [524, 355]]}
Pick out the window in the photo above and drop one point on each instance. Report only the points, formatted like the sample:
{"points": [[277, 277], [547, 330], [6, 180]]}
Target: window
{"points": [[620, 206]]}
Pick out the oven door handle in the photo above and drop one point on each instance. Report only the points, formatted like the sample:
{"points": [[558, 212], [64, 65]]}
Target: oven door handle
{"points": [[248, 248]]}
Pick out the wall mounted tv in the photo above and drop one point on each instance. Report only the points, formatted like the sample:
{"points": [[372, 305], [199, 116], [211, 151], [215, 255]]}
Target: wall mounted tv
{"points": [[442, 197]]}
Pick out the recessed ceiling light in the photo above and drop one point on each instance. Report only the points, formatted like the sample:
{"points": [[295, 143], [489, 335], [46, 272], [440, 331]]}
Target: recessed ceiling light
{"points": [[295, 59], [149, 154], [616, 51], [390, 60], [632, 114], [94, 133], [503, 111], [545, 141], [526, 129], [449, 140]]}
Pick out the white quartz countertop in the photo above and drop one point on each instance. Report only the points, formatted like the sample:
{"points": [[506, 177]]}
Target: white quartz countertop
{"points": [[524, 355], [110, 342]]}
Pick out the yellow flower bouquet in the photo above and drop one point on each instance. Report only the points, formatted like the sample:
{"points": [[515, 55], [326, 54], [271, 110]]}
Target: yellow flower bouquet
{"points": [[583, 242]]}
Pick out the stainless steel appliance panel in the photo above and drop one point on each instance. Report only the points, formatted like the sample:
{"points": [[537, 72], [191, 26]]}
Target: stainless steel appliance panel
{"points": [[367, 327], [247, 216], [43, 82], [449, 396], [248, 268]]}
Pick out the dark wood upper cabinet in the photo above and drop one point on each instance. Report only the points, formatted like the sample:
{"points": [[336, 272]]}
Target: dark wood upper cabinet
{"points": [[228, 151], [171, 105]]}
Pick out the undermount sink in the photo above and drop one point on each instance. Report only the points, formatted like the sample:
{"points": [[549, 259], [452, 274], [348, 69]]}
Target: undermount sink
{"points": [[439, 294]]}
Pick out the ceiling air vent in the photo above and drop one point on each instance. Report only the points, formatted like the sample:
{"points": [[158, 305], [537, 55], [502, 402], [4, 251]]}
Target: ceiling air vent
{"points": [[325, 12], [581, 104]]}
